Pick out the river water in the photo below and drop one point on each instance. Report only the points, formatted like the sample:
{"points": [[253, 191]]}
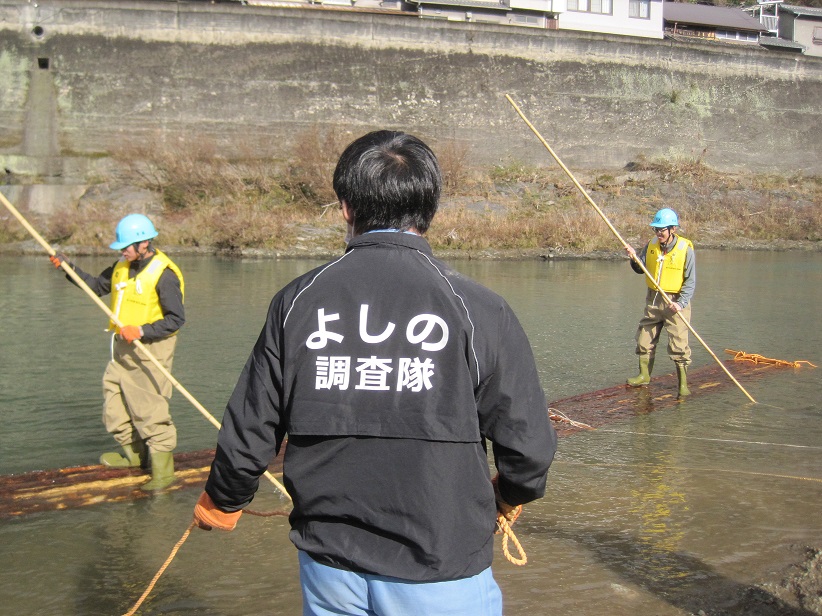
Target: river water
{"points": [[665, 513]]}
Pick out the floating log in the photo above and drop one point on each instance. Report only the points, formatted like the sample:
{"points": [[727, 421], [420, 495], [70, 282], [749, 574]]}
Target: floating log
{"points": [[599, 408], [81, 486]]}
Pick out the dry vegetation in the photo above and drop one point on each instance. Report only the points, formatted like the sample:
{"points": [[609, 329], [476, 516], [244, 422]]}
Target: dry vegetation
{"points": [[205, 201], [520, 207]]}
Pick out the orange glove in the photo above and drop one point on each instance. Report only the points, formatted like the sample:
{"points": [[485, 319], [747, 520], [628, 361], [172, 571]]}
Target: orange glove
{"points": [[509, 512], [208, 516], [57, 258], [130, 333]]}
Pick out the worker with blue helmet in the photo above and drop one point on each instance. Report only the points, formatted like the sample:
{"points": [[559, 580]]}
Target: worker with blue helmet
{"points": [[132, 229], [665, 217], [669, 259], [147, 291]]}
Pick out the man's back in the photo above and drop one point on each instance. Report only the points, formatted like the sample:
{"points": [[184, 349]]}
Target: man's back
{"points": [[392, 368], [388, 372]]}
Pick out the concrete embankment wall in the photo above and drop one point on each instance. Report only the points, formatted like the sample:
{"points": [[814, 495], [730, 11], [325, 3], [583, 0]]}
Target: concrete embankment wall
{"points": [[252, 78]]}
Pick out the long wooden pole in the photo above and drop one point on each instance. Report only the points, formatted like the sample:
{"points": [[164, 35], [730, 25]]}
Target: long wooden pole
{"points": [[81, 283], [623, 242]]}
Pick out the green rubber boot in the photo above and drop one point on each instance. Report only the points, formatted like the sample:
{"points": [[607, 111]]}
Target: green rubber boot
{"points": [[682, 372], [162, 471], [135, 455], [644, 377]]}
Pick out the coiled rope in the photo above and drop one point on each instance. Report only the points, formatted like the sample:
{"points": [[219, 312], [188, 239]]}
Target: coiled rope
{"points": [[759, 359], [504, 527]]}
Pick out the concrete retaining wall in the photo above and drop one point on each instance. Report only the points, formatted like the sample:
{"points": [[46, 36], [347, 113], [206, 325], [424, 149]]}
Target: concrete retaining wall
{"points": [[254, 77]]}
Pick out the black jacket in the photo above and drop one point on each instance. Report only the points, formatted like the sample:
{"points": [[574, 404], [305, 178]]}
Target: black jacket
{"points": [[388, 370]]}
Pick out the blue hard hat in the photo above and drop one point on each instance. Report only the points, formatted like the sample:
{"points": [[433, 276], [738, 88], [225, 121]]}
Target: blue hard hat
{"points": [[133, 228], [665, 217]]}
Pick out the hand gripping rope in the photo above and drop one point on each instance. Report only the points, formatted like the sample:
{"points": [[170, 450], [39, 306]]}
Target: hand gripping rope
{"points": [[503, 526], [177, 547]]}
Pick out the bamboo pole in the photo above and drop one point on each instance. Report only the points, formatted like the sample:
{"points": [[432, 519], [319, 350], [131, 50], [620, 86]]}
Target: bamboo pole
{"points": [[81, 283], [623, 242]]}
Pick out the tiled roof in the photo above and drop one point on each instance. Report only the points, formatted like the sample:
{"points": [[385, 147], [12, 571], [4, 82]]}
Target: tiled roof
{"points": [[484, 4], [774, 41], [801, 10], [724, 17]]}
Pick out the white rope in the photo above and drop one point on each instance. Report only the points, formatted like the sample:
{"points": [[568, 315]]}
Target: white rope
{"points": [[688, 469], [557, 415], [717, 440]]}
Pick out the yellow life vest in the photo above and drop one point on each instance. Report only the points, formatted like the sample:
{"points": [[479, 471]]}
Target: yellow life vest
{"points": [[669, 269], [134, 301]]}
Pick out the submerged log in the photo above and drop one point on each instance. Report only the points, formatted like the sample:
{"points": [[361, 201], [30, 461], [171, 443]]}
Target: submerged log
{"points": [[82, 486], [599, 408]]}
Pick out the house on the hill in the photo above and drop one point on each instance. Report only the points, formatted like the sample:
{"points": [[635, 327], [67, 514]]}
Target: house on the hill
{"points": [[711, 22], [800, 30], [625, 17], [767, 12], [533, 13], [803, 26]]}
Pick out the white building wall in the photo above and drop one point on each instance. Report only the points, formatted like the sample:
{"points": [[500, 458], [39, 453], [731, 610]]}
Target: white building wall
{"points": [[545, 6], [618, 22], [803, 33]]}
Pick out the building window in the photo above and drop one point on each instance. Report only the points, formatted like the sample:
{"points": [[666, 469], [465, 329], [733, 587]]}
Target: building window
{"points": [[601, 7], [639, 9], [527, 20], [748, 37], [817, 36]]}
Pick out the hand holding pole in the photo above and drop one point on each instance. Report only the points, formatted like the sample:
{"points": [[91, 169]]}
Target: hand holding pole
{"points": [[624, 243], [81, 283]]}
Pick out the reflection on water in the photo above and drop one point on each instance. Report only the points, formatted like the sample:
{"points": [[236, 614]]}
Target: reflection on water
{"points": [[669, 512]]}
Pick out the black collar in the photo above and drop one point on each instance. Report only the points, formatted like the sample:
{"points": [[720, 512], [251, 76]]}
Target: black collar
{"points": [[666, 248], [391, 238], [138, 265]]}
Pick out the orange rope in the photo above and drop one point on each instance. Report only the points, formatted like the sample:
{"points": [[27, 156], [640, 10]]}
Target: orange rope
{"points": [[502, 524], [504, 527], [171, 556], [177, 547], [759, 359]]}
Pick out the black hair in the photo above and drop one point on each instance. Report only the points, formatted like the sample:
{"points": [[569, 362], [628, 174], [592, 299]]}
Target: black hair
{"points": [[390, 180]]}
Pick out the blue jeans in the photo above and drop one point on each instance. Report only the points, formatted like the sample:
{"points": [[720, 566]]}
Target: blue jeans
{"points": [[328, 591]]}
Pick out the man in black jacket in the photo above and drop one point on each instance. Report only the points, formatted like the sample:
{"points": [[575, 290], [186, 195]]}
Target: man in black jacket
{"points": [[388, 371]]}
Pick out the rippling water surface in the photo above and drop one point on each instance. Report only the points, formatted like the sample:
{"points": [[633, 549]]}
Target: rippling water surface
{"points": [[658, 514]]}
